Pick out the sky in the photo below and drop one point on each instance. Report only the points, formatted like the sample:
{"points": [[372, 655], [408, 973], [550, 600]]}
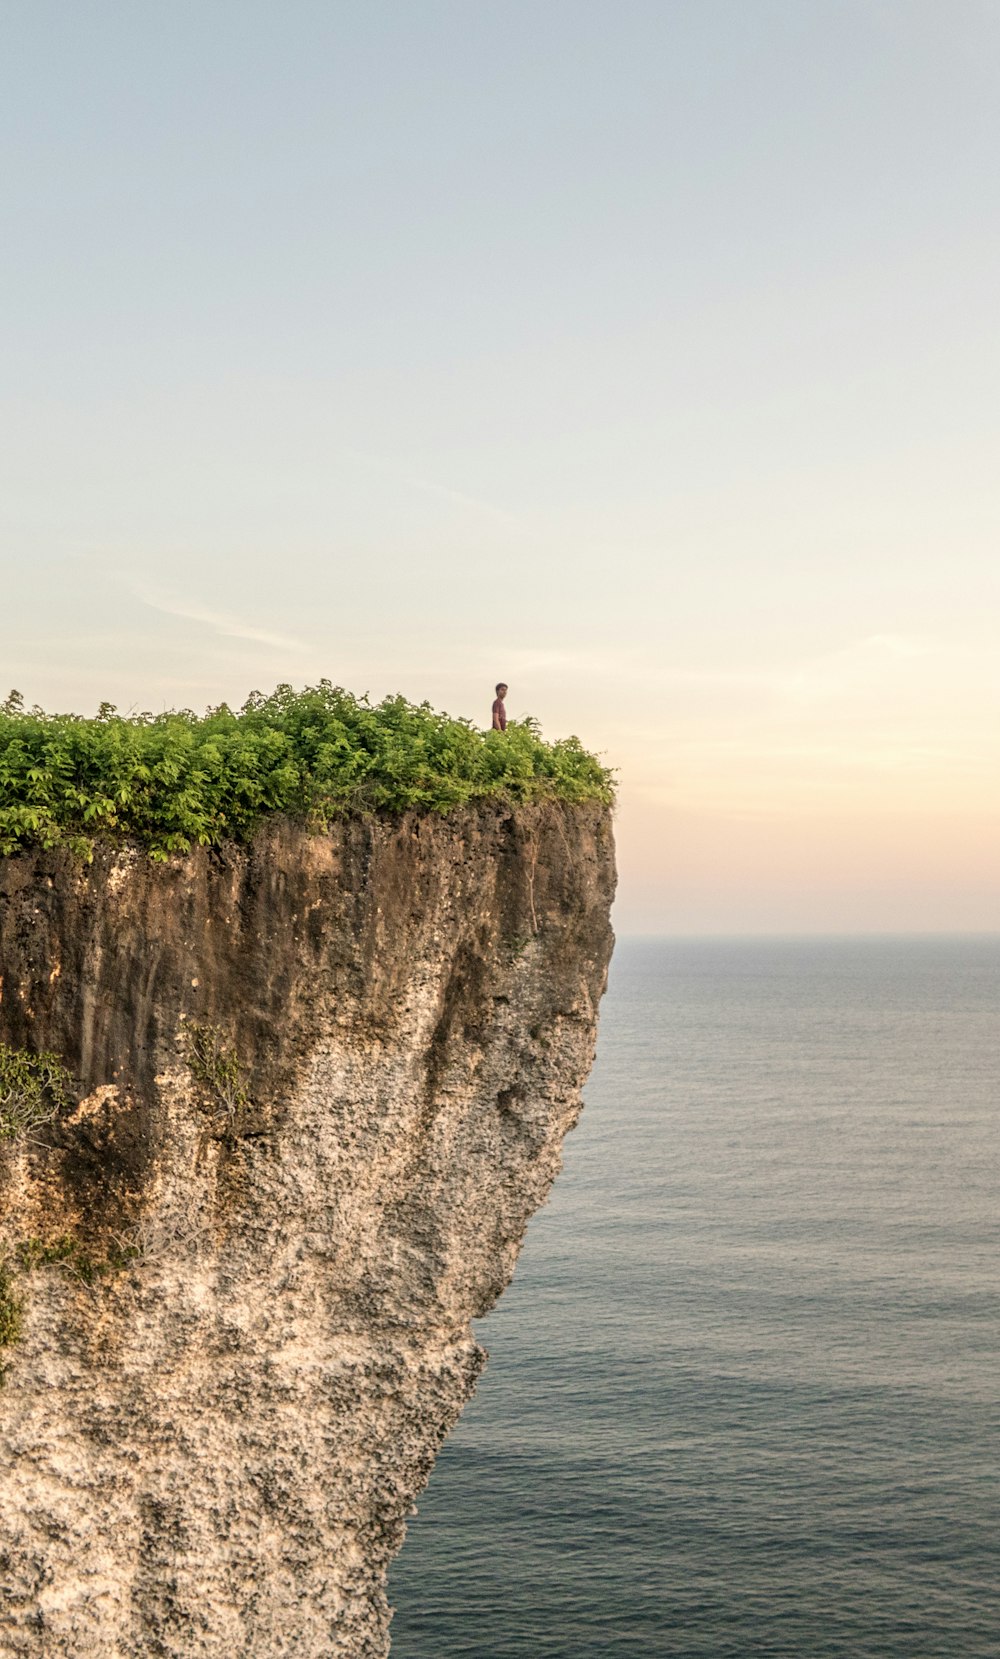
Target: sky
{"points": [[642, 353]]}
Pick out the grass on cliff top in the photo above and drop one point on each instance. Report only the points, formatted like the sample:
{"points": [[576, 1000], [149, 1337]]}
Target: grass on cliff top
{"points": [[179, 779]]}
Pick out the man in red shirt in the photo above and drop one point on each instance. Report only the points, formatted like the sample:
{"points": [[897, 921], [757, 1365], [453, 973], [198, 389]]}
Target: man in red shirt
{"points": [[499, 712]]}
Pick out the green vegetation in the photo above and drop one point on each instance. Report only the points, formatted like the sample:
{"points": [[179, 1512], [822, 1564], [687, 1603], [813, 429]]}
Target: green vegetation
{"points": [[10, 1318], [179, 779], [33, 1088], [34, 1252], [216, 1067], [67, 1252]]}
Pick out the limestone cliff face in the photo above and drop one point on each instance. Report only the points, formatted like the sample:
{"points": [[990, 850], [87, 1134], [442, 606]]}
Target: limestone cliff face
{"points": [[226, 1398]]}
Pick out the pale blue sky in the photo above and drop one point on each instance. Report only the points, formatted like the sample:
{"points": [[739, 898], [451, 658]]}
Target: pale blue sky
{"points": [[643, 354]]}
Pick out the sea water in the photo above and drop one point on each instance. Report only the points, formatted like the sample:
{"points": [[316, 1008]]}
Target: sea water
{"points": [[743, 1392]]}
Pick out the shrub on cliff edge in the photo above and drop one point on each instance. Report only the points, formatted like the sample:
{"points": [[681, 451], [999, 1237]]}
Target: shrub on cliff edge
{"points": [[179, 779]]}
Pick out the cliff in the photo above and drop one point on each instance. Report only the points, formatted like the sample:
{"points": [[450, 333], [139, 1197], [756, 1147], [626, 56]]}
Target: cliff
{"points": [[321, 1083]]}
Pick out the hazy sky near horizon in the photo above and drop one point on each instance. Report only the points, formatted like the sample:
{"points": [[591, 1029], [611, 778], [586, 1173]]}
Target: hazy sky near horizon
{"points": [[643, 354]]}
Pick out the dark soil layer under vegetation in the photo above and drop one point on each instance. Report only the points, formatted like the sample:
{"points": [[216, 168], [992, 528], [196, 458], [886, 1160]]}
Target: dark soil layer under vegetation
{"points": [[179, 779]]}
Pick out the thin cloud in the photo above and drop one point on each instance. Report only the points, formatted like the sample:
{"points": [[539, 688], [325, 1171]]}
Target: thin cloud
{"points": [[901, 645], [441, 492], [230, 627], [826, 674]]}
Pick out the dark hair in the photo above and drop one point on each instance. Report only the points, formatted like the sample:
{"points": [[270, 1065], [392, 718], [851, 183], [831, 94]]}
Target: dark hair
{"points": [[501, 683]]}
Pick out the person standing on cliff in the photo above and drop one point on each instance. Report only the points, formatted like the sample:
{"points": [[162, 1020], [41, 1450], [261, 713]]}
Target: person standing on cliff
{"points": [[499, 712]]}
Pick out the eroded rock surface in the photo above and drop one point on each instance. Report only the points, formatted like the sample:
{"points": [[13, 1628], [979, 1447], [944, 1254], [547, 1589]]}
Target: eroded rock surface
{"points": [[226, 1398]]}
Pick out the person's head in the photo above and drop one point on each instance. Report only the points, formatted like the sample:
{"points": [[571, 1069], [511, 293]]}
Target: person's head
{"points": [[501, 690]]}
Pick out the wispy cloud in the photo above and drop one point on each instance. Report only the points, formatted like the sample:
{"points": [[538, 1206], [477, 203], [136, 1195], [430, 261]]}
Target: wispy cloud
{"points": [[875, 657], [441, 492], [225, 624]]}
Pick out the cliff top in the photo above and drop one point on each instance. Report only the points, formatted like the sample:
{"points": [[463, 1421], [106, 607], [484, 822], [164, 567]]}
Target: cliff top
{"points": [[179, 779]]}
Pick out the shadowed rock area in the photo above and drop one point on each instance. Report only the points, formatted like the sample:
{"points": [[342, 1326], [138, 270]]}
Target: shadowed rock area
{"points": [[245, 1305]]}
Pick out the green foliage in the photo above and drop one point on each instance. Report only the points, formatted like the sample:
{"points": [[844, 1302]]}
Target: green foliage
{"points": [[33, 1087], [178, 779], [61, 1252], [10, 1314], [34, 1252], [216, 1067], [67, 1252]]}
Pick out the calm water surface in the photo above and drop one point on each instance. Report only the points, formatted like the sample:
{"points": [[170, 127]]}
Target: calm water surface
{"points": [[743, 1393]]}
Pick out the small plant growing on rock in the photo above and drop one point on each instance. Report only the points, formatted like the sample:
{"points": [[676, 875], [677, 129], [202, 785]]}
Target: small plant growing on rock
{"points": [[74, 1257], [35, 1252], [215, 1065], [10, 1318], [33, 1088]]}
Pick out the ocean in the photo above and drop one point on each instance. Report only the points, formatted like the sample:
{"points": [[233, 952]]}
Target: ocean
{"points": [[744, 1392]]}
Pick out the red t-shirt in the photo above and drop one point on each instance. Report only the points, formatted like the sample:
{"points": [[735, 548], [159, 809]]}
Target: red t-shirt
{"points": [[499, 715]]}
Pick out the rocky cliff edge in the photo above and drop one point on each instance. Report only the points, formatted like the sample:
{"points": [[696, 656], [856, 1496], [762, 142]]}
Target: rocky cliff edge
{"points": [[320, 1084]]}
